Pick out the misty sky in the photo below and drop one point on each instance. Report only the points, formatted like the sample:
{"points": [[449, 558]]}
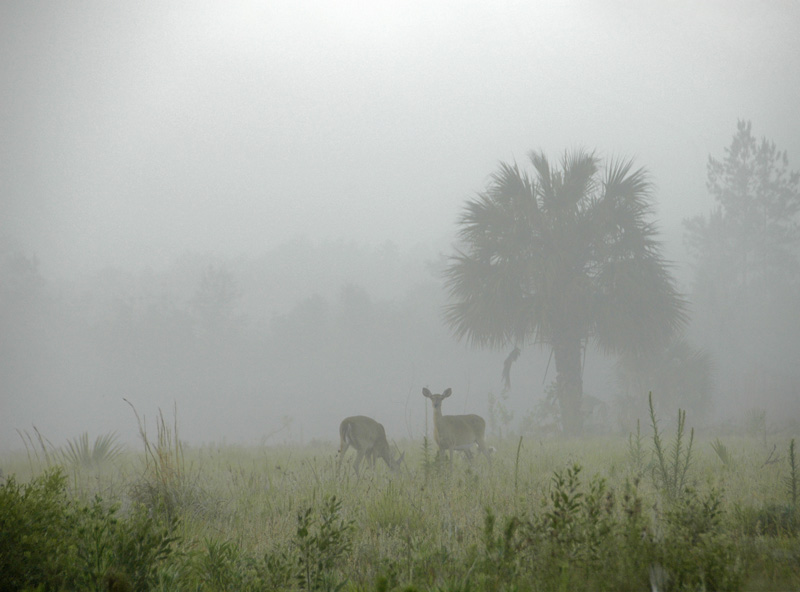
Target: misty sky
{"points": [[132, 132]]}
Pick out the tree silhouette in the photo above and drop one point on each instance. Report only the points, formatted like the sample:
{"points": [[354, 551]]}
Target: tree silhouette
{"points": [[751, 235], [560, 258], [747, 274]]}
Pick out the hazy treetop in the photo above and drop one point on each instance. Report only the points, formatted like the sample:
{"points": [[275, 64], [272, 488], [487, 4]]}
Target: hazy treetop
{"points": [[132, 132]]}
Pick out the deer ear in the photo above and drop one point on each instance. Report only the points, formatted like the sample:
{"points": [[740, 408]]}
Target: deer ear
{"points": [[426, 393], [447, 393]]}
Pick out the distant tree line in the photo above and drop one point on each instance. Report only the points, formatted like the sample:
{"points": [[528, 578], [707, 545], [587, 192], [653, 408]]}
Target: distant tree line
{"points": [[563, 261], [746, 254], [242, 346]]}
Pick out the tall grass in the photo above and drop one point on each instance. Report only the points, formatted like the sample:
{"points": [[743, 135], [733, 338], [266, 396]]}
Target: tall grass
{"points": [[77, 452], [550, 515], [792, 478], [165, 485]]}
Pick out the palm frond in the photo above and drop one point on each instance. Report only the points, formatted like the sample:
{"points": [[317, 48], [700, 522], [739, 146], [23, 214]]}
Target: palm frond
{"points": [[494, 217], [578, 178], [544, 177], [509, 184], [488, 306], [632, 187], [638, 305], [77, 452]]}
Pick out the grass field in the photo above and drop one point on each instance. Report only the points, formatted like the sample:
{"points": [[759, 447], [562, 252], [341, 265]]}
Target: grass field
{"points": [[610, 513]]}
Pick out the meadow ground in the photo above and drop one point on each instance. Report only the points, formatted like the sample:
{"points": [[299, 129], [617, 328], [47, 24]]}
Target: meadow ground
{"points": [[606, 513]]}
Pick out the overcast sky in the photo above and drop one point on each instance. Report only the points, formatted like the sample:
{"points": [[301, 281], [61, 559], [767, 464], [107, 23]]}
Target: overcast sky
{"points": [[131, 132]]}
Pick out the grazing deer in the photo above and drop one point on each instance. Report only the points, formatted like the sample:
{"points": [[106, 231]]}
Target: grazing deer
{"points": [[456, 432], [368, 437]]}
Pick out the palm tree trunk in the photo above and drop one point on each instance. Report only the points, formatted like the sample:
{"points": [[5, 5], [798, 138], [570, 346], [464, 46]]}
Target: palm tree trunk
{"points": [[569, 385]]}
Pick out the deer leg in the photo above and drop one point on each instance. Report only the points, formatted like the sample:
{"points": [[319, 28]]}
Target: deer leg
{"points": [[357, 463], [342, 449], [482, 448]]}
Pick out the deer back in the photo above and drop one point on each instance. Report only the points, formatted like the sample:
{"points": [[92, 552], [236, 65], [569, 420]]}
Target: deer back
{"points": [[459, 430], [364, 433]]}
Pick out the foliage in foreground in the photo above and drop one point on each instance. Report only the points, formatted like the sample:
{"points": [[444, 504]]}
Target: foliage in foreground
{"points": [[583, 537], [441, 527], [51, 541]]}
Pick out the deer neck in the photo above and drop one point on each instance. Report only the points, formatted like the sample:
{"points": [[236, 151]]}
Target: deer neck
{"points": [[437, 420]]}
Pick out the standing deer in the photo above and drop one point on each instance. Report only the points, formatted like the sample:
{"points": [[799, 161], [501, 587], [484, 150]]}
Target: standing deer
{"points": [[456, 432], [368, 437]]}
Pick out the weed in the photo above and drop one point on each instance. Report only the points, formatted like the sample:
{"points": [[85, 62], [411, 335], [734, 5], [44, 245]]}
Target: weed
{"points": [[79, 453], [772, 458], [219, 565], [164, 486], [432, 463], [32, 450], [773, 520], [499, 416], [670, 471], [722, 453], [386, 510], [791, 480], [516, 466], [636, 452], [321, 544], [500, 551]]}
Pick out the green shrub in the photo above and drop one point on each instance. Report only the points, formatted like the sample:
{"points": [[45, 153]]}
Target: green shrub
{"points": [[321, 545], [224, 565], [142, 545], [51, 541], [587, 537], [34, 548], [219, 566], [695, 550], [584, 541]]}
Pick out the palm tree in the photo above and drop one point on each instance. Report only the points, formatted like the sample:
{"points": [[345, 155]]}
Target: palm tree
{"points": [[558, 259]]}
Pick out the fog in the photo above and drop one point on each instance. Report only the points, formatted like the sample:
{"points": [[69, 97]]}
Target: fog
{"points": [[241, 210]]}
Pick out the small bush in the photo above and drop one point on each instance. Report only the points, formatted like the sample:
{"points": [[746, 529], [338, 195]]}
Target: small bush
{"points": [[33, 528], [321, 544], [77, 452], [695, 550], [52, 541]]}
